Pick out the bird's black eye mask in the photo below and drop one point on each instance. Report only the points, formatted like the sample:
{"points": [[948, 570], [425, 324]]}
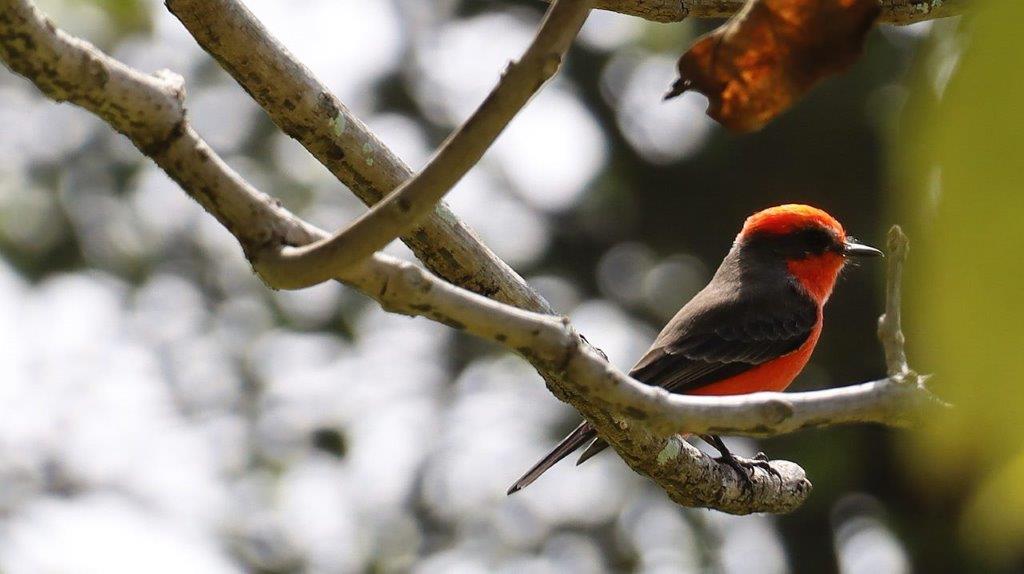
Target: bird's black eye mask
{"points": [[798, 244]]}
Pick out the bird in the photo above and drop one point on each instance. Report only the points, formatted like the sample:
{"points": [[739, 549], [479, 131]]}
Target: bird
{"points": [[752, 328]]}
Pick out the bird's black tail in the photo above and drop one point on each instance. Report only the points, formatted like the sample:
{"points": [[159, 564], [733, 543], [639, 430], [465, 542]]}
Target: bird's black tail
{"points": [[573, 441]]}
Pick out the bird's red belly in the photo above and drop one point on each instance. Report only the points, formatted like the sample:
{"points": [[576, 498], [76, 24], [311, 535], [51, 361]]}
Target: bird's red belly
{"points": [[775, 375]]}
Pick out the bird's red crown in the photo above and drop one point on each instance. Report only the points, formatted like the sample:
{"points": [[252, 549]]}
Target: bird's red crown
{"points": [[783, 219]]}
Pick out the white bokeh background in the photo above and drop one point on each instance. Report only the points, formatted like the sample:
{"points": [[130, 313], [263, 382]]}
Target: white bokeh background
{"points": [[159, 406]]}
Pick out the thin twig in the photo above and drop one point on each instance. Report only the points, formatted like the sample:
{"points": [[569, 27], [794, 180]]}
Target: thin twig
{"points": [[890, 329], [286, 267]]}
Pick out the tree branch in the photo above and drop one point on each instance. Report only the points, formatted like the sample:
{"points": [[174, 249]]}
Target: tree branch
{"points": [[638, 420], [305, 109], [641, 421], [890, 329], [893, 11], [149, 110], [298, 267]]}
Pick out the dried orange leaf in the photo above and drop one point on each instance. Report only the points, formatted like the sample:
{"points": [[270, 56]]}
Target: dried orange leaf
{"points": [[770, 53]]}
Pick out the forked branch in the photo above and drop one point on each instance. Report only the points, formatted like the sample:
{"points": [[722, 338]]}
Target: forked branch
{"points": [[304, 108], [287, 267], [640, 421]]}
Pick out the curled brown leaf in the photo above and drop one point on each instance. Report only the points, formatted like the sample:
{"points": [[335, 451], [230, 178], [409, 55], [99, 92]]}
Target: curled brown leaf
{"points": [[770, 54]]}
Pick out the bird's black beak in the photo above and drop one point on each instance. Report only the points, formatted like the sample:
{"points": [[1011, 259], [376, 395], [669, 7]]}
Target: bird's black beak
{"points": [[853, 249]]}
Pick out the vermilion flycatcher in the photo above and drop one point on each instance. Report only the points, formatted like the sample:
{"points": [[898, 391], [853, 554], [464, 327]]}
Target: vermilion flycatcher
{"points": [[751, 329]]}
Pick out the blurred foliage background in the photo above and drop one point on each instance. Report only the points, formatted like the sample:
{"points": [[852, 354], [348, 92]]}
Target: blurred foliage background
{"points": [[161, 411]]}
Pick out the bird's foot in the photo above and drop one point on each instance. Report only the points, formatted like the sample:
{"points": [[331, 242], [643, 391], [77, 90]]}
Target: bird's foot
{"points": [[744, 467], [762, 461]]}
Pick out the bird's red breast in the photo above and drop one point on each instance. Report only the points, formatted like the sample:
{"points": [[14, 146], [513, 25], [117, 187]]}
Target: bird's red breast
{"points": [[817, 275]]}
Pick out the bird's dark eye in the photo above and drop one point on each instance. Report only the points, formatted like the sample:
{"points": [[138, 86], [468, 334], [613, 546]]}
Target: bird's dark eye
{"points": [[799, 244], [815, 241]]}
